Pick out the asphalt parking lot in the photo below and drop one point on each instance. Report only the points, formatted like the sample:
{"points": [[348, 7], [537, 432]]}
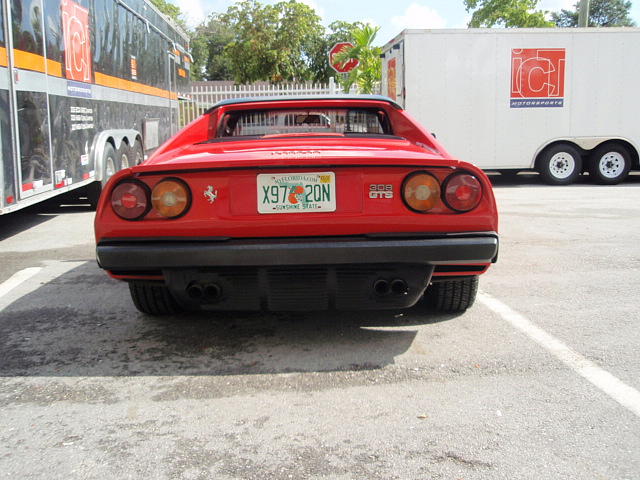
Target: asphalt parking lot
{"points": [[540, 379]]}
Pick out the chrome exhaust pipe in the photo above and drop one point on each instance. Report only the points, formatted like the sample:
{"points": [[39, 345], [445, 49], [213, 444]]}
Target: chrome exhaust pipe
{"points": [[195, 291], [212, 291], [399, 286], [381, 287]]}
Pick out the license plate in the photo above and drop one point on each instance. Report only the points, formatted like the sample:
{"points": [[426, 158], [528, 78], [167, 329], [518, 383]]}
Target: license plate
{"points": [[297, 192]]}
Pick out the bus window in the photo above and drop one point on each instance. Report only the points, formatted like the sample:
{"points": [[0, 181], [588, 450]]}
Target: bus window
{"points": [[27, 26]]}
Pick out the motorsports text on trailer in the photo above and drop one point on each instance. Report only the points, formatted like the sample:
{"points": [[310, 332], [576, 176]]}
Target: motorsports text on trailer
{"points": [[561, 101], [86, 89]]}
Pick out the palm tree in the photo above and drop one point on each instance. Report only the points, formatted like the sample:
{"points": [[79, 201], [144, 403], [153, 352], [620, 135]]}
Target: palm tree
{"points": [[369, 73]]}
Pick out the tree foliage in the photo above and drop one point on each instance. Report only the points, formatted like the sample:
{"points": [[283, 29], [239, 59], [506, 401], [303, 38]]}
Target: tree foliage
{"points": [[208, 42], [602, 13], [506, 13], [369, 72], [271, 42]]}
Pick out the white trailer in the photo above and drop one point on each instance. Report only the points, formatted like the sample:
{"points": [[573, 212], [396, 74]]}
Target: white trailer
{"points": [[560, 101]]}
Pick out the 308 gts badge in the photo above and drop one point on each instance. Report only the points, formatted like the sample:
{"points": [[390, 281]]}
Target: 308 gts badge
{"points": [[380, 191]]}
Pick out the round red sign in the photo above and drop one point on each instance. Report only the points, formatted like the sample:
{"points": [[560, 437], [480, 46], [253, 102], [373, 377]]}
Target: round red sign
{"points": [[342, 67]]}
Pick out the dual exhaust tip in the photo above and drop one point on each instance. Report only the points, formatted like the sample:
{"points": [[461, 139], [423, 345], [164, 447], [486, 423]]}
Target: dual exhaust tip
{"points": [[396, 286], [206, 291], [213, 291]]}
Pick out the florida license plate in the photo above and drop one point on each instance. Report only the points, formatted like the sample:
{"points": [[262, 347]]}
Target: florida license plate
{"points": [[296, 192]]}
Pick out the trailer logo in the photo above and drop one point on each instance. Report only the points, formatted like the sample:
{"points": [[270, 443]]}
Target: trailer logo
{"points": [[537, 77], [77, 45]]}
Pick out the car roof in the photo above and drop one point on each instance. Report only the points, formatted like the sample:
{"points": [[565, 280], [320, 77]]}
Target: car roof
{"points": [[242, 101]]}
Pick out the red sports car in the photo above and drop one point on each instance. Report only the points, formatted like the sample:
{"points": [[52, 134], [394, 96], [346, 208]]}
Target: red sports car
{"points": [[287, 204]]}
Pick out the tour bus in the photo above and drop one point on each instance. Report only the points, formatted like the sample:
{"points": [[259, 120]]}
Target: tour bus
{"points": [[87, 87]]}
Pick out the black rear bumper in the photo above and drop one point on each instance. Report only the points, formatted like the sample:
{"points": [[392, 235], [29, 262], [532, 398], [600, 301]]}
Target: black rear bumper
{"points": [[346, 273], [131, 255]]}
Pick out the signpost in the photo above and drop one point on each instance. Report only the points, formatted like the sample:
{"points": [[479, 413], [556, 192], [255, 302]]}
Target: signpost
{"points": [[342, 67]]}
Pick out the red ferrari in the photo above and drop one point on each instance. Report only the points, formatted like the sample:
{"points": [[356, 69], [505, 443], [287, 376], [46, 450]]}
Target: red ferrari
{"points": [[289, 204]]}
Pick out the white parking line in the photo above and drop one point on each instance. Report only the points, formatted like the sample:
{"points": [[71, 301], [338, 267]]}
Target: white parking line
{"points": [[9, 291], [622, 393], [18, 278]]}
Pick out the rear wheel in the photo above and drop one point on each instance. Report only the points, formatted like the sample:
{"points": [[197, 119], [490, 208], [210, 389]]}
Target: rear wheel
{"points": [[610, 164], [452, 296], [560, 164], [153, 298]]}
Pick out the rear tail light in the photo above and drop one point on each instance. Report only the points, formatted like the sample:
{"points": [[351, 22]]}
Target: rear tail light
{"points": [[462, 192], [421, 191], [130, 200], [171, 198]]}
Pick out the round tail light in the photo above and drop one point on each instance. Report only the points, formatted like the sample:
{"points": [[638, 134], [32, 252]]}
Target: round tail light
{"points": [[130, 199], [421, 192], [171, 198], [462, 192]]}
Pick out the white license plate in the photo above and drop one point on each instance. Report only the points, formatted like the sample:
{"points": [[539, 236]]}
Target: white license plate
{"points": [[296, 192]]}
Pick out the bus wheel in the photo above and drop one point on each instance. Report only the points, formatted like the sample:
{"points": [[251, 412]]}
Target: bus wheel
{"points": [[124, 156], [610, 164], [560, 164], [108, 170], [137, 153], [108, 163]]}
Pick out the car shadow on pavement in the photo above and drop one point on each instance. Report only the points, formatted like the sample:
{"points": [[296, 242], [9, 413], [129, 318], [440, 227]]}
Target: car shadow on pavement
{"points": [[84, 324]]}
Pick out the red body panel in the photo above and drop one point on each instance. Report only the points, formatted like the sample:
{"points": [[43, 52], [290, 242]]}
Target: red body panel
{"points": [[231, 168]]}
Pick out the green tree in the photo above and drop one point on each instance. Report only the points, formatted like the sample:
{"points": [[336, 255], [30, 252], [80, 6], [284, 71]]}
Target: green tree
{"points": [[602, 13], [506, 13], [271, 42], [366, 75], [208, 42]]}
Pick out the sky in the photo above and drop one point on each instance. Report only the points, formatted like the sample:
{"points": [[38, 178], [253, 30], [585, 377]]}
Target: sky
{"points": [[392, 16]]}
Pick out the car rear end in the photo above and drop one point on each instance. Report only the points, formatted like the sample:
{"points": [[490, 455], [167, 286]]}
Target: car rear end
{"points": [[295, 223]]}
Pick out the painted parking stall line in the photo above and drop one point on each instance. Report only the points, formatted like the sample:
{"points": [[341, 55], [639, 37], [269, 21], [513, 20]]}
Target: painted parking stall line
{"points": [[17, 279], [30, 279], [615, 388]]}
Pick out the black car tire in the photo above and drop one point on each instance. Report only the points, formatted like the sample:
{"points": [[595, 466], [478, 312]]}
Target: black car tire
{"points": [[153, 298], [610, 164], [560, 164], [452, 296]]}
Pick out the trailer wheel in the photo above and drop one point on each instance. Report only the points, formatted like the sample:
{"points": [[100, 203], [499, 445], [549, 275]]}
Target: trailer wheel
{"points": [[124, 156], [137, 153], [108, 163], [452, 296], [153, 298], [560, 164], [610, 164], [94, 190]]}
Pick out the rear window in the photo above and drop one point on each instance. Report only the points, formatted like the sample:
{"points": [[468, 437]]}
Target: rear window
{"points": [[243, 123]]}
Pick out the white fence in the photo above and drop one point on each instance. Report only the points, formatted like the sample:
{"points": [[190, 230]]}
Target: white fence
{"points": [[205, 94]]}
